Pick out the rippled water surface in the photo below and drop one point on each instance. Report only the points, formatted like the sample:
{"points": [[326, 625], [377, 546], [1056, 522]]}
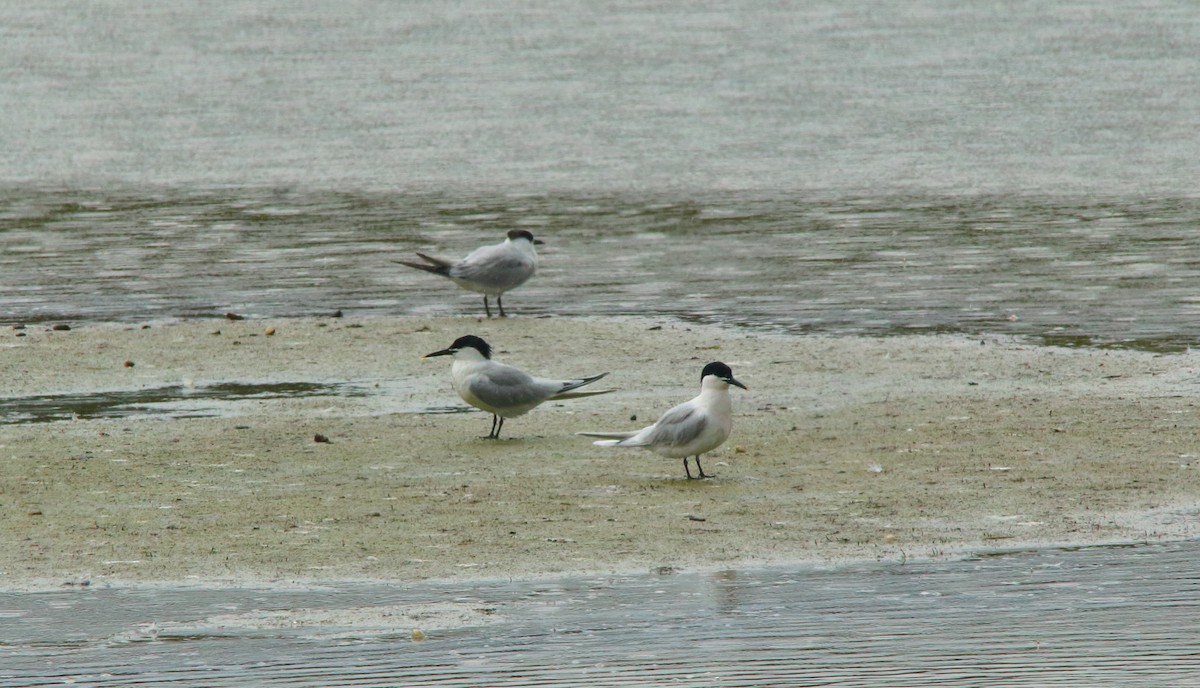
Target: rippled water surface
{"points": [[1066, 271], [1088, 618]]}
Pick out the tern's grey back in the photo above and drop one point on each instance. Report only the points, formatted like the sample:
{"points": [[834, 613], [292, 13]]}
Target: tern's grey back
{"points": [[505, 390], [677, 428], [494, 269]]}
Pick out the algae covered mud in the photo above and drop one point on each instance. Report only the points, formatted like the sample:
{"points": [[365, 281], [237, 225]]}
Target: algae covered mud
{"points": [[844, 449]]}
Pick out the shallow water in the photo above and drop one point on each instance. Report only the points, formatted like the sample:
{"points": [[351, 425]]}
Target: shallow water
{"points": [[172, 401], [1068, 272], [1102, 616]]}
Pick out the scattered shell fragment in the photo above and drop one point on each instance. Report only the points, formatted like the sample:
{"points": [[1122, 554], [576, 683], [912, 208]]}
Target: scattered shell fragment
{"points": [[418, 635], [270, 331]]}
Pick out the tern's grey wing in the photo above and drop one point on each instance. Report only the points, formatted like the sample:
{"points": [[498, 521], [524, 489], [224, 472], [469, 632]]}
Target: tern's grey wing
{"points": [[497, 267], [507, 388], [677, 427]]}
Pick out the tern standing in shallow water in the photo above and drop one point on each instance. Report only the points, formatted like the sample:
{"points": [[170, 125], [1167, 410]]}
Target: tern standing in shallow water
{"points": [[488, 270], [691, 428], [502, 390]]}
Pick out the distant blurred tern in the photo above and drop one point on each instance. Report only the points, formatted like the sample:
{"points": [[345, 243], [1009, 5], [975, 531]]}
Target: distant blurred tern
{"points": [[502, 390], [488, 270], [691, 428]]}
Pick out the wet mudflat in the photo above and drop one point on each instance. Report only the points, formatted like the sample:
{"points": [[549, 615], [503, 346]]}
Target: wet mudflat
{"points": [[843, 449], [232, 548]]}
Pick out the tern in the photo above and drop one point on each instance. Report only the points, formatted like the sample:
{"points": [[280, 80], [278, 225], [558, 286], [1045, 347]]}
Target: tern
{"points": [[691, 428], [503, 390], [488, 270]]}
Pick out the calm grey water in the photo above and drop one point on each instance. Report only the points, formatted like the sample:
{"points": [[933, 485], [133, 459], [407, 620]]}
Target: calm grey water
{"points": [[1089, 618], [834, 167], [1085, 97]]}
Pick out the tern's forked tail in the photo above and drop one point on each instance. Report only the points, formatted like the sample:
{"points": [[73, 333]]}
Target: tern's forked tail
{"points": [[576, 384], [611, 439], [576, 395], [437, 266]]}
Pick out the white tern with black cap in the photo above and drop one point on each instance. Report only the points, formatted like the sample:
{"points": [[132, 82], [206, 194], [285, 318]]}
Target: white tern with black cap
{"points": [[691, 428], [503, 390], [488, 270]]}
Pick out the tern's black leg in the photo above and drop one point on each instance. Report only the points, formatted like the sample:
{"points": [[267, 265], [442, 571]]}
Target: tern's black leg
{"points": [[686, 469], [498, 427], [486, 307], [501, 305], [702, 473], [495, 433]]}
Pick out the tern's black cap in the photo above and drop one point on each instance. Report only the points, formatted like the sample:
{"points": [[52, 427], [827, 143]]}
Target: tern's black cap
{"points": [[514, 234], [722, 371], [463, 342]]}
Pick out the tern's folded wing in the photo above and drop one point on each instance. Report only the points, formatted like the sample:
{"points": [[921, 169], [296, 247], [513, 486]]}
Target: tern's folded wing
{"points": [[505, 387], [494, 266], [677, 427]]}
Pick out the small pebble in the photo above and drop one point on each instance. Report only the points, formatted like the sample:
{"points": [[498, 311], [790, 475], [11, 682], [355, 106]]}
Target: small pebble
{"points": [[233, 316], [418, 634], [269, 331], [61, 328], [128, 363], [321, 438]]}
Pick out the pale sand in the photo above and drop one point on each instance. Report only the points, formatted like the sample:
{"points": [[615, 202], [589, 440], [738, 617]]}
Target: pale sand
{"points": [[843, 449]]}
